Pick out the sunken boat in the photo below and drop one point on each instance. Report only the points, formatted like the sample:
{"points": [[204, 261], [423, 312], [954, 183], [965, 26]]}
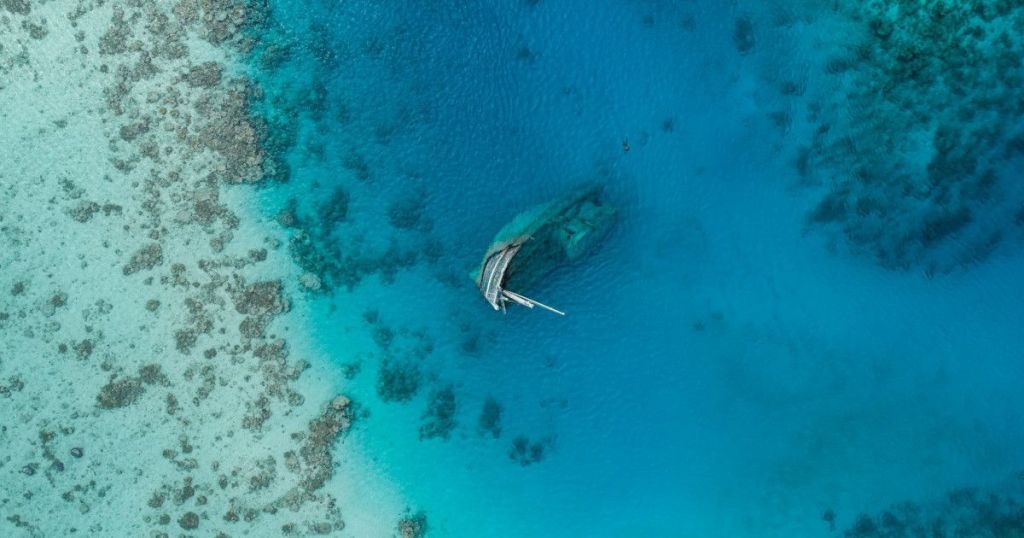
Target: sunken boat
{"points": [[539, 240]]}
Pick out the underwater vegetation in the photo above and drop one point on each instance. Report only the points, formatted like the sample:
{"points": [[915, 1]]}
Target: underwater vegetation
{"points": [[439, 418], [526, 452], [962, 513], [398, 381], [413, 526], [490, 418], [333, 260], [743, 35], [920, 153]]}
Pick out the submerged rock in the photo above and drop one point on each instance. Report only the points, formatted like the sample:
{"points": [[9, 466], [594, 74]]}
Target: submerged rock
{"points": [[439, 418], [413, 526], [189, 521], [398, 381], [316, 452], [205, 75], [260, 298], [147, 257], [18, 7], [524, 452], [743, 35], [119, 393], [490, 418], [917, 151]]}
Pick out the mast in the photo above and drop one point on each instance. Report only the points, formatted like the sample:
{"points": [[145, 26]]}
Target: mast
{"points": [[527, 302]]}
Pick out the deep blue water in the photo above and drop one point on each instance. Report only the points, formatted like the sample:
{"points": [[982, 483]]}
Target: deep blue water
{"points": [[725, 368]]}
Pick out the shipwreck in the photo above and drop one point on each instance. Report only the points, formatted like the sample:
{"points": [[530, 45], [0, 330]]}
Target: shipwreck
{"points": [[539, 240]]}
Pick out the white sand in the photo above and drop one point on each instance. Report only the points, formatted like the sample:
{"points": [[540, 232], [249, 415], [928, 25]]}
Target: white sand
{"points": [[208, 438]]}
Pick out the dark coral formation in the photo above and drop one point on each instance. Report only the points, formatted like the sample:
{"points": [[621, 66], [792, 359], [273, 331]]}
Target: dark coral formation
{"points": [[413, 525], [743, 35], [439, 418], [189, 521], [238, 137], [335, 209], [335, 243], [127, 390], [937, 80], [964, 512], [342, 260], [407, 212], [146, 257], [119, 393], [18, 7], [524, 452], [14, 384], [204, 75], [259, 298], [398, 380], [402, 355], [490, 418], [318, 463]]}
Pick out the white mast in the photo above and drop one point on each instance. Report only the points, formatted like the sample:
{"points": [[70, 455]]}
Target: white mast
{"points": [[529, 303]]}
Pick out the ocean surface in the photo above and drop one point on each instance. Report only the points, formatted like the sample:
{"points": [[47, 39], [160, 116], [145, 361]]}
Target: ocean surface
{"points": [[808, 319], [727, 366]]}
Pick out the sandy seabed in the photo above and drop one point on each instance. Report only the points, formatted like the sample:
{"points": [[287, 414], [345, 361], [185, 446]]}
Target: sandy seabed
{"points": [[154, 379]]}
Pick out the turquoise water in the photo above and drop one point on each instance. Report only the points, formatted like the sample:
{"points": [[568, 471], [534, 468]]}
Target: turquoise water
{"points": [[736, 360]]}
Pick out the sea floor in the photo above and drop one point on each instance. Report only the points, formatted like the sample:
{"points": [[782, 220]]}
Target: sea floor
{"points": [[236, 238]]}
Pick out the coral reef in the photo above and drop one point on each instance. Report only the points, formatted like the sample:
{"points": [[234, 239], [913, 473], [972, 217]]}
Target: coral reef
{"points": [[490, 418], [918, 153], [342, 260], [316, 451], [963, 512], [743, 35], [146, 257], [413, 525], [174, 378], [439, 418], [398, 381], [119, 393], [524, 452]]}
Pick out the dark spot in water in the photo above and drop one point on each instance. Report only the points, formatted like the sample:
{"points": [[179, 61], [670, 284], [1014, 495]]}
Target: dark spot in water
{"points": [[335, 209], [439, 418], [490, 418], [829, 517], [525, 452], [743, 35], [526, 55], [398, 381]]}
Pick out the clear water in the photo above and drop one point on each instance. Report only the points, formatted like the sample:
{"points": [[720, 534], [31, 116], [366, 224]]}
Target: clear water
{"points": [[722, 371]]}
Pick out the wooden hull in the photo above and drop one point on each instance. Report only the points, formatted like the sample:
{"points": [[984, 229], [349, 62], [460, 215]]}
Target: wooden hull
{"points": [[541, 239]]}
